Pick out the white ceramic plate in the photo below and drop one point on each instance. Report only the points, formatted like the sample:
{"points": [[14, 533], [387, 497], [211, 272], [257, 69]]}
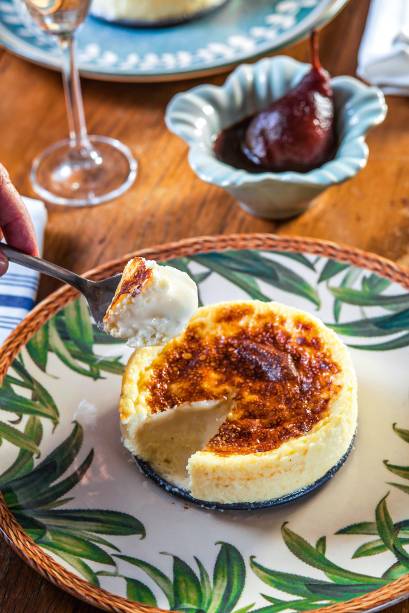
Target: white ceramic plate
{"points": [[77, 508]]}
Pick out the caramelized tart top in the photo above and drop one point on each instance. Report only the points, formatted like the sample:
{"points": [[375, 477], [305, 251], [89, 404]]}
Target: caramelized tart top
{"points": [[275, 366]]}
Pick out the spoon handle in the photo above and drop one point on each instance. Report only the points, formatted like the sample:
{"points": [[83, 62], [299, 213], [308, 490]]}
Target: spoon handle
{"points": [[48, 268]]}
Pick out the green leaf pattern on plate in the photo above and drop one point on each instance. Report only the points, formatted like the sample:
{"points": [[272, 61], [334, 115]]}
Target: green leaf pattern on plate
{"points": [[71, 336], [35, 495], [36, 490], [192, 592], [247, 270]]}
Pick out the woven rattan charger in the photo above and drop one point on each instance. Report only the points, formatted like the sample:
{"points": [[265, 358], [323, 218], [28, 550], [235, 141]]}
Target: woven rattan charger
{"points": [[33, 554]]}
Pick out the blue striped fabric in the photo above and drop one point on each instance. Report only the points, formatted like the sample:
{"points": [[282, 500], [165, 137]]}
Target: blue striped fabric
{"points": [[18, 288]]}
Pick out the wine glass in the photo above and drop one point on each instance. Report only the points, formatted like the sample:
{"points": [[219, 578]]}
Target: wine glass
{"points": [[82, 169]]}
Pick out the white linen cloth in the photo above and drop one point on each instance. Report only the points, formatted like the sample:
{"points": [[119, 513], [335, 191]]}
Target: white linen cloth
{"points": [[18, 287], [383, 57]]}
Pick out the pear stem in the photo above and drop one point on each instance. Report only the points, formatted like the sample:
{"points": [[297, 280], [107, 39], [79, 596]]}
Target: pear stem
{"points": [[315, 53]]}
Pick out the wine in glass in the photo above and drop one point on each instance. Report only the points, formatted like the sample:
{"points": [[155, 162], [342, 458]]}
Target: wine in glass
{"points": [[82, 169]]}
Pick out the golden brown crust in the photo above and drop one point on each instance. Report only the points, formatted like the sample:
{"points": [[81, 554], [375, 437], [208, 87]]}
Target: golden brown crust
{"points": [[135, 277], [279, 373]]}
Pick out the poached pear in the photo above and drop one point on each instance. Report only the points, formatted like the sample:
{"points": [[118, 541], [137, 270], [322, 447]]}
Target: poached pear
{"points": [[297, 131]]}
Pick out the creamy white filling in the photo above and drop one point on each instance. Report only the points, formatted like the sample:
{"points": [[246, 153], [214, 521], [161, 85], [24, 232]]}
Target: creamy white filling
{"points": [[157, 314], [168, 439], [150, 10]]}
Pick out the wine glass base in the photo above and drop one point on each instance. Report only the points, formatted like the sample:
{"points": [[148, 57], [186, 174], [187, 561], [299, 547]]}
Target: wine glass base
{"points": [[87, 176]]}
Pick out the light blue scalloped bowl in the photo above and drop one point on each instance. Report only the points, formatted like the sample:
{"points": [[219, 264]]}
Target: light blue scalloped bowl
{"points": [[199, 114]]}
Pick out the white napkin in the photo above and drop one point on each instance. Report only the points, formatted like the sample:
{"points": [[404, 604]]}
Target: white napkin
{"points": [[383, 57], [18, 287]]}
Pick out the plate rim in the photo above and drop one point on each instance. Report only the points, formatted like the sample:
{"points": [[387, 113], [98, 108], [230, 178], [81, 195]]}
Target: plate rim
{"points": [[66, 580], [328, 13]]}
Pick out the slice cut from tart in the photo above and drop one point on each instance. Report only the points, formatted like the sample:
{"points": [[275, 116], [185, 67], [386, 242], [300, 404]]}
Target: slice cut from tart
{"points": [[152, 303], [252, 402]]}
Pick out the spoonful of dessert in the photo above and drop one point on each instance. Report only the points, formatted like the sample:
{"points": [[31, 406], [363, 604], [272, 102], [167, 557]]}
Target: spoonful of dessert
{"points": [[145, 305]]}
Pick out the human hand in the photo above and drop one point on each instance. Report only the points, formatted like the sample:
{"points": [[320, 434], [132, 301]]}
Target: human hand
{"points": [[15, 222]]}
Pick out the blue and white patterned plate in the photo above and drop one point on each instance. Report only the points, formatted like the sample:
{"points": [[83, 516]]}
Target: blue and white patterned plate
{"points": [[237, 32]]}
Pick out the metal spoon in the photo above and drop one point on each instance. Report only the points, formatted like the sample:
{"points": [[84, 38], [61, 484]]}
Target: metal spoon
{"points": [[98, 294]]}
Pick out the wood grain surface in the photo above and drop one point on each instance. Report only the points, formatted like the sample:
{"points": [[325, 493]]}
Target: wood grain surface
{"points": [[168, 202]]}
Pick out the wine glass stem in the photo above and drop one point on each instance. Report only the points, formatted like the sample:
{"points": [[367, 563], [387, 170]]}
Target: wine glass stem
{"points": [[73, 97]]}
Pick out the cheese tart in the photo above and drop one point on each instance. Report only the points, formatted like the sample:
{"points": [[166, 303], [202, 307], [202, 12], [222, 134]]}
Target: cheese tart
{"points": [[152, 303], [252, 402], [151, 12]]}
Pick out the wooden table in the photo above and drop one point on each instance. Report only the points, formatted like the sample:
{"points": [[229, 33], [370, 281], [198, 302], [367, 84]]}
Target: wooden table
{"points": [[168, 202]]}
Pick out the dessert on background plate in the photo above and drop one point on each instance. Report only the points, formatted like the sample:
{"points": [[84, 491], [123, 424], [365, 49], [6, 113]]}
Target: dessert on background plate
{"points": [[253, 402], [152, 12]]}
